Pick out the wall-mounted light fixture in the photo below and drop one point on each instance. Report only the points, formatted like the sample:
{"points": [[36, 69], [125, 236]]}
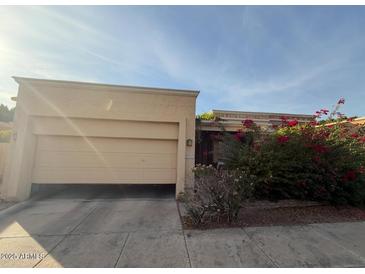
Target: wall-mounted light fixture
{"points": [[189, 142]]}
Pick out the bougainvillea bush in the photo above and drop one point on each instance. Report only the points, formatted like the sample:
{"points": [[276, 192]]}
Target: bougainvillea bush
{"points": [[322, 160]]}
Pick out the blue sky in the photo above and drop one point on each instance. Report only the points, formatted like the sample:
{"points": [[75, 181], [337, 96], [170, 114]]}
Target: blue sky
{"points": [[271, 59]]}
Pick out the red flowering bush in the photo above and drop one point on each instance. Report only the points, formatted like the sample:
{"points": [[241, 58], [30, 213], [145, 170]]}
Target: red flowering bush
{"points": [[320, 160]]}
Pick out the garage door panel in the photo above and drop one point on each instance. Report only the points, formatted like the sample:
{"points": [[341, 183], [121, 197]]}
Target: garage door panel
{"points": [[65, 143], [102, 176], [156, 175], [106, 159], [75, 160], [104, 128]]}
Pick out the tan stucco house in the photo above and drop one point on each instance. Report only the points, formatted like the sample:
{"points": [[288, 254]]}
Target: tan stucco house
{"points": [[84, 133]]}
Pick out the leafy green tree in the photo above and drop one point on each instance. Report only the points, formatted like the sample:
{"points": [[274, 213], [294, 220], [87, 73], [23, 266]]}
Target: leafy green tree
{"points": [[206, 116]]}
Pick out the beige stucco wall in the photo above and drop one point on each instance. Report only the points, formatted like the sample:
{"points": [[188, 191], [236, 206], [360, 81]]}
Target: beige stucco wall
{"points": [[60, 108]]}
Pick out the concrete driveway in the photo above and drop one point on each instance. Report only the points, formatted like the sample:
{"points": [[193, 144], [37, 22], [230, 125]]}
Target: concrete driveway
{"points": [[136, 227]]}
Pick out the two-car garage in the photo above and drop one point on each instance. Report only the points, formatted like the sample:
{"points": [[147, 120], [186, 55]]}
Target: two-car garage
{"points": [[84, 133], [76, 160]]}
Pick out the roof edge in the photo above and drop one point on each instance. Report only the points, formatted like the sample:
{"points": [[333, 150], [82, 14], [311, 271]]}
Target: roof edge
{"points": [[188, 92], [264, 113]]}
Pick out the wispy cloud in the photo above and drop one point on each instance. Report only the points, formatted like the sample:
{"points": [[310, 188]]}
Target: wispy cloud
{"points": [[236, 56]]}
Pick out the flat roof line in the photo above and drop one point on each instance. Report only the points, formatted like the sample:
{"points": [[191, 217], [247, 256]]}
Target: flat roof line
{"points": [[258, 112], [23, 79]]}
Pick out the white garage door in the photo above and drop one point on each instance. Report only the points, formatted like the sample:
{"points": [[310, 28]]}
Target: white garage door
{"points": [[77, 160]]}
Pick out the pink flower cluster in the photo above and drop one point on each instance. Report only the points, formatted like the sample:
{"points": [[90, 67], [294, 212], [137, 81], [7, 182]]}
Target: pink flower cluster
{"points": [[239, 135], [248, 123], [283, 139], [321, 112], [292, 123]]}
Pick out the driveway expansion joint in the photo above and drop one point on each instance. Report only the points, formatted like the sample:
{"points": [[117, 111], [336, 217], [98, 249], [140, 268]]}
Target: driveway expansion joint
{"points": [[65, 236], [258, 245], [121, 251]]}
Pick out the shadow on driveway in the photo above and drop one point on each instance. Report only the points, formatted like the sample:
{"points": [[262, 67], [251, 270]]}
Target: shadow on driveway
{"points": [[87, 192]]}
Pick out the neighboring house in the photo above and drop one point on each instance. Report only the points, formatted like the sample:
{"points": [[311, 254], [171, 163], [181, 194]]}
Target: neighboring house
{"points": [[350, 122], [207, 150], [359, 121], [85, 133]]}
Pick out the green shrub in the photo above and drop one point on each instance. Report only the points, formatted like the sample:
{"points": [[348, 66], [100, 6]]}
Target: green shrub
{"points": [[318, 163], [217, 194], [206, 116], [310, 162]]}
